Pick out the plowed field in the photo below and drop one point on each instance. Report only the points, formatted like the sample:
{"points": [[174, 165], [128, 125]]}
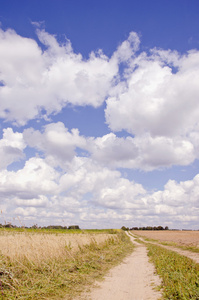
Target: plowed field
{"points": [[184, 238]]}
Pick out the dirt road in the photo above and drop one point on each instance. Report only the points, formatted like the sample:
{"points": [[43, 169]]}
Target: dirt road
{"points": [[134, 279], [193, 255], [189, 254]]}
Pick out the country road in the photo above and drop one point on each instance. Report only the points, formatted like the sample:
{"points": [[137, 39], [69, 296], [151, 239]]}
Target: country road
{"points": [[192, 255], [134, 279]]}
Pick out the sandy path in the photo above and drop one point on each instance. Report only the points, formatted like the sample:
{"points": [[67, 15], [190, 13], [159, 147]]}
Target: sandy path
{"points": [[193, 255], [133, 279]]}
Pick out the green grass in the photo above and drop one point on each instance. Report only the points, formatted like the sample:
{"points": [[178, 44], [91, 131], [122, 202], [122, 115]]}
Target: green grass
{"points": [[65, 231], [190, 248], [183, 247], [136, 239], [180, 275], [61, 278]]}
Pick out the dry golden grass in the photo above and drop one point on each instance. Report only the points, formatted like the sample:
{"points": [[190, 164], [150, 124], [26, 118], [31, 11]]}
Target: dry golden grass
{"points": [[40, 246], [36, 265]]}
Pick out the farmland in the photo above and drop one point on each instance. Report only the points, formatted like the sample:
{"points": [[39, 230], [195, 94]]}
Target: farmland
{"points": [[54, 265], [38, 246], [177, 268], [178, 237]]}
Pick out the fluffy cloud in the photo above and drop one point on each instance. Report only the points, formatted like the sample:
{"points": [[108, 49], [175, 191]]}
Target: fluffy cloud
{"points": [[11, 147], [160, 152], [87, 190], [41, 201], [142, 152], [156, 93], [59, 146], [47, 80], [38, 191], [113, 151], [56, 142], [34, 179], [154, 98], [127, 49], [157, 102], [93, 195], [178, 202]]}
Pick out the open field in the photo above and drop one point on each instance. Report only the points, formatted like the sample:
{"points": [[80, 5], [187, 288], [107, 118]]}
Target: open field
{"points": [[37, 246], [181, 238], [50, 265]]}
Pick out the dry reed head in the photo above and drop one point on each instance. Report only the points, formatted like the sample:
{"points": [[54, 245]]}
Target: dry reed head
{"points": [[38, 247]]}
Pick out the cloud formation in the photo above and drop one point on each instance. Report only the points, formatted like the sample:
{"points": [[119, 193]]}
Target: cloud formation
{"points": [[91, 195], [152, 96], [11, 147], [56, 142], [47, 80], [159, 95]]}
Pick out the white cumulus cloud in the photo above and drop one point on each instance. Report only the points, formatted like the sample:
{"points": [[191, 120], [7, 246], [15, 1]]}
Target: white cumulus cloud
{"points": [[34, 80], [12, 146], [56, 142], [154, 98]]}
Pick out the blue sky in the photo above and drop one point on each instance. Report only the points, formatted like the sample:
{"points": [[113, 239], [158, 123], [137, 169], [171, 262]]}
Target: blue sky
{"points": [[99, 113]]}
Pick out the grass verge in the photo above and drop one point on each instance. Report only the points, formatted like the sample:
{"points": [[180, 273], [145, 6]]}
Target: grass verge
{"points": [[191, 248], [64, 277], [180, 275], [56, 231]]}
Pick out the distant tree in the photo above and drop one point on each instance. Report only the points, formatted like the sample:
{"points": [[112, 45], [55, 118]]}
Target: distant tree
{"points": [[160, 228], [56, 227], [125, 228], [134, 228], [9, 225], [73, 227], [149, 228], [35, 226]]}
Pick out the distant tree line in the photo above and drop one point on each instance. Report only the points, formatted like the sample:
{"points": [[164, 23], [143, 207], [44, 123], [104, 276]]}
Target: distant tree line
{"points": [[146, 228], [9, 225], [61, 227]]}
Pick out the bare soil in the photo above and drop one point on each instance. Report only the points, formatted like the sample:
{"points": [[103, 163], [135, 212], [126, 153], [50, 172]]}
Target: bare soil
{"points": [[182, 238], [134, 279]]}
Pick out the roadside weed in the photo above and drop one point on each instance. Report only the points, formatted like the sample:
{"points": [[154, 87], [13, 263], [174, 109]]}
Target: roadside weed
{"points": [[180, 275]]}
